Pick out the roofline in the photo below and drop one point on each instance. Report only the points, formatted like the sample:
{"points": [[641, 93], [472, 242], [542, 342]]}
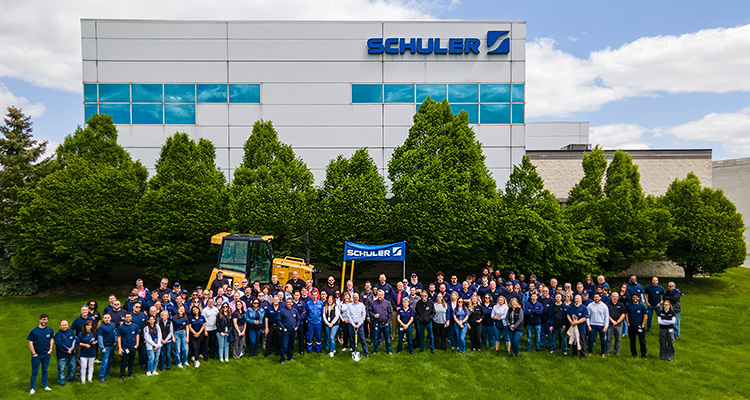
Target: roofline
{"points": [[626, 150], [408, 21]]}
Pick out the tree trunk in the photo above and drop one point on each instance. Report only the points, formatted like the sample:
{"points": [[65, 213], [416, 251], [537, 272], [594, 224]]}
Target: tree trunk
{"points": [[689, 272]]}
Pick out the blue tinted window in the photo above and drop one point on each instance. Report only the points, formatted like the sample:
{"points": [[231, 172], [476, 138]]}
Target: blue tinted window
{"points": [[148, 114], [495, 93], [89, 93], [463, 93], [147, 93], [435, 92], [114, 93], [88, 111], [212, 93], [367, 93], [399, 93], [244, 93], [181, 114], [174, 93], [495, 113], [517, 113], [120, 112], [518, 93], [471, 108]]}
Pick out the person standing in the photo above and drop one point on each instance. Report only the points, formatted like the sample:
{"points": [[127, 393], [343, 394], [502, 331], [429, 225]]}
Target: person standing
{"points": [[87, 341], [533, 315], [405, 318], [272, 328], [357, 317], [107, 338], [577, 316], [514, 321], [209, 313], [499, 315], [128, 339], [180, 321], [424, 312], [381, 314], [254, 317], [461, 320], [65, 343], [666, 320], [654, 292], [558, 325], [288, 322], [488, 323], [636, 318], [196, 326], [617, 311], [440, 321], [41, 339], [674, 296], [331, 317], [224, 325], [217, 283], [301, 307], [240, 329], [476, 315], [598, 323], [314, 311], [152, 337], [635, 288], [165, 340]]}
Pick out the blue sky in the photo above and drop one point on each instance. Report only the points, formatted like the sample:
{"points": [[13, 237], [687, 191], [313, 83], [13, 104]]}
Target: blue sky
{"points": [[646, 74]]}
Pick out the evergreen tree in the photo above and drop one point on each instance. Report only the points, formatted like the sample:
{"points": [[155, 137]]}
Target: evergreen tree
{"points": [[708, 230], [442, 191], [186, 203], [272, 190]]}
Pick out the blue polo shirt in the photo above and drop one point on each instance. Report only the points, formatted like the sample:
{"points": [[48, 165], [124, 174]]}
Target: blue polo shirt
{"points": [[580, 312], [272, 315], [78, 324], [87, 352], [465, 295], [40, 338], [654, 294], [106, 334], [128, 334], [288, 318], [405, 315], [180, 324], [636, 313], [139, 318], [386, 288], [65, 341]]}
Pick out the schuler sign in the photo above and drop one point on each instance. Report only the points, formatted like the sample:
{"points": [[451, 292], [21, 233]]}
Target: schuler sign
{"points": [[384, 252], [435, 46]]}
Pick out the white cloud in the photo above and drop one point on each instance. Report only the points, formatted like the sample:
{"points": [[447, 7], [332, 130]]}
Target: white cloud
{"points": [[619, 136], [41, 40], [731, 129], [710, 60], [9, 99]]}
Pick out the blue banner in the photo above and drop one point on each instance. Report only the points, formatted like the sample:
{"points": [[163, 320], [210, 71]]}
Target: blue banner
{"points": [[381, 252]]}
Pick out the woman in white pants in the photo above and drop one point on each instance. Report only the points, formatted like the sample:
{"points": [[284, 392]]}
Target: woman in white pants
{"points": [[87, 341]]}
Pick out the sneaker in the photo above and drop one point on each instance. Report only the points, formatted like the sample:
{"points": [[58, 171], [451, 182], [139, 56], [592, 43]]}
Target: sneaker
{"points": [[282, 363], [330, 354], [32, 391], [131, 376], [122, 378], [154, 373], [179, 365], [47, 388], [148, 373], [197, 364]]}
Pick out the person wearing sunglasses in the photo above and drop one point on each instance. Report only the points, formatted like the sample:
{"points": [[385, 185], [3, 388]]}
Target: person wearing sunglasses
{"points": [[254, 317]]}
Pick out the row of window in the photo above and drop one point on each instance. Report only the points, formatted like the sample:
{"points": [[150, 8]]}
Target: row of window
{"points": [[171, 93], [491, 113], [455, 93], [152, 114]]}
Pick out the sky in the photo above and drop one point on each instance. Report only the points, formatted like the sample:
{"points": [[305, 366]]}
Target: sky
{"points": [[646, 74]]}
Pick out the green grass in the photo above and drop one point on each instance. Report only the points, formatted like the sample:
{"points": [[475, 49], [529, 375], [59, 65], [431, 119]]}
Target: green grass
{"points": [[712, 361]]}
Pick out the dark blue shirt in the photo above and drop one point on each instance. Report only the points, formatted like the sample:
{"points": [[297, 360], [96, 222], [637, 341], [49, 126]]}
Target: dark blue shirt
{"points": [[636, 313], [106, 334], [78, 324], [272, 315], [139, 318], [466, 295], [654, 294], [40, 338], [87, 352], [579, 311], [128, 334], [197, 323], [118, 317], [405, 315], [180, 324], [386, 288], [533, 313], [65, 341], [487, 317], [288, 318]]}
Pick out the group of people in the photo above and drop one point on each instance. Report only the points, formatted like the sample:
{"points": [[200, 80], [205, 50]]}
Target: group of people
{"points": [[239, 318]]}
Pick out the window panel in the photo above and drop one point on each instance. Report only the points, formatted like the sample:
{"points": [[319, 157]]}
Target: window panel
{"points": [[463, 93], [367, 93], [471, 108], [179, 114], [244, 93], [435, 92], [495, 113], [147, 93], [518, 113], [90, 93], [120, 112], [495, 93], [212, 93], [518, 94], [114, 93], [399, 93], [176, 93], [88, 111], [148, 114]]}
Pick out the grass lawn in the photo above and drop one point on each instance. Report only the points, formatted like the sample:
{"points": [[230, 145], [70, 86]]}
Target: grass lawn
{"points": [[712, 361]]}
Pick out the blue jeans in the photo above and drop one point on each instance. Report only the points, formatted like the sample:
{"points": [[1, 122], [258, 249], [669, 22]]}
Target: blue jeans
{"points": [[153, 359], [651, 311], [332, 331], [43, 361], [420, 332], [325, 334], [405, 334], [180, 348], [383, 330], [165, 356], [501, 332], [515, 340], [253, 336], [452, 339], [66, 361], [597, 331], [556, 334], [107, 358], [360, 334], [461, 336], [677, 325], [223, 346], [313, 332], [533, 330], [287, 345], [488, 335]]}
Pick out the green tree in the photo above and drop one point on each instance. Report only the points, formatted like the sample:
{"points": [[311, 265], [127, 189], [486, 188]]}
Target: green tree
{"points": [[19, 154], [442, 191], [76, 222], [708, 229], [185, 204], [272, 190], [350, 206]]}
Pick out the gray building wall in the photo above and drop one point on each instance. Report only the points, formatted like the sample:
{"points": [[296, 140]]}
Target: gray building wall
{"points": [[733, 177]]}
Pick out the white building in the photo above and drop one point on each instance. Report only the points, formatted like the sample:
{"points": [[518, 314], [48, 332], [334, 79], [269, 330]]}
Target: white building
{"points": [[329, 87]]}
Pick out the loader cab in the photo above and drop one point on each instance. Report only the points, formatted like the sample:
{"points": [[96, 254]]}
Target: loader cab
{"points": [[243, 256]]}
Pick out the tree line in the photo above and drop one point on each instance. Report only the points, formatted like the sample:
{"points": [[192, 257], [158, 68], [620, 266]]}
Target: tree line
{"points": [[90, 208]]}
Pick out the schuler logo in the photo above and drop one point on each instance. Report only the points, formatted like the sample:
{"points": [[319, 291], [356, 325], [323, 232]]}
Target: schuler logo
{"points": [[434, 45]]}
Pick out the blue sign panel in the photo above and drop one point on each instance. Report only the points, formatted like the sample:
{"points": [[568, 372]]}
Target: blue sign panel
{"points": [[378, 252], [434, 46]]}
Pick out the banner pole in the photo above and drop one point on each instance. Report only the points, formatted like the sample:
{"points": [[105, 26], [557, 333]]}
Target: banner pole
{"points": [[351, 273], [343, 274]]}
